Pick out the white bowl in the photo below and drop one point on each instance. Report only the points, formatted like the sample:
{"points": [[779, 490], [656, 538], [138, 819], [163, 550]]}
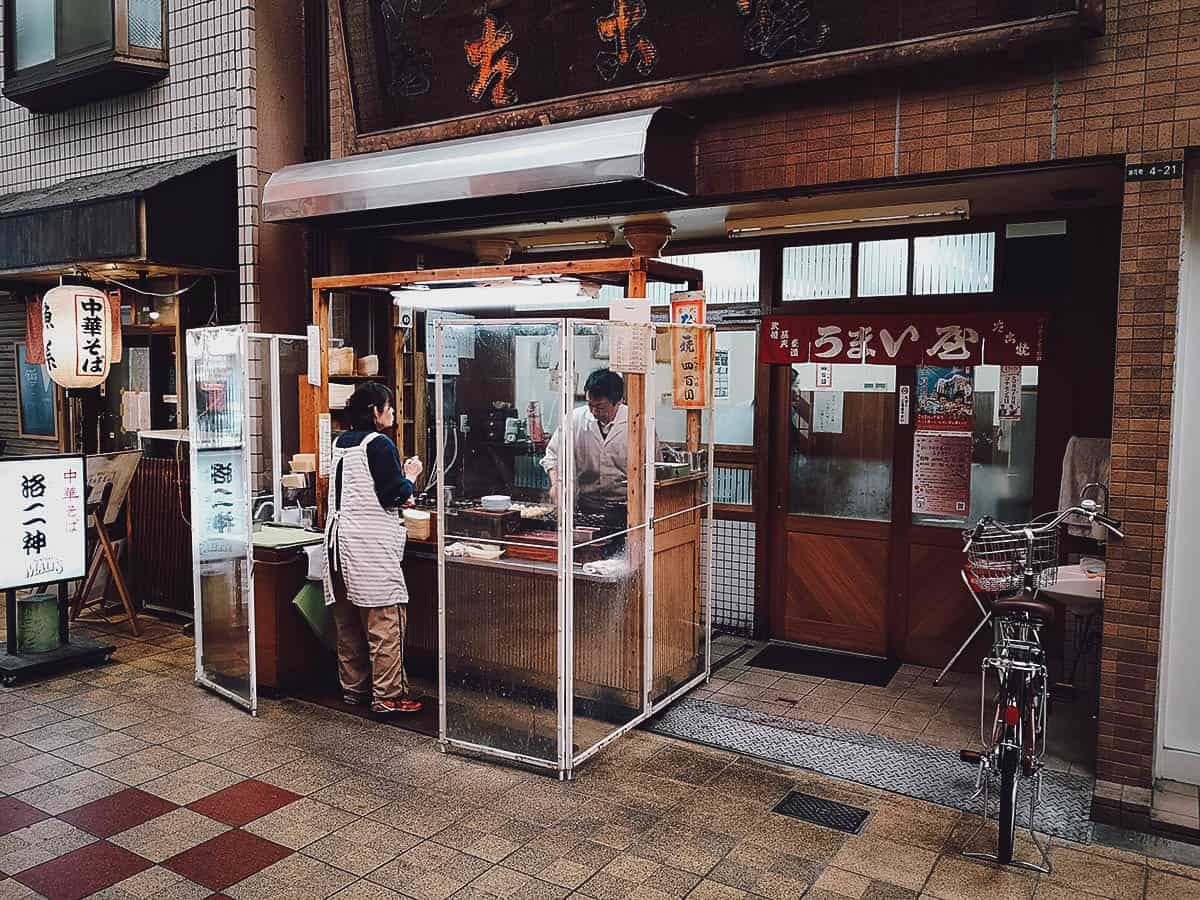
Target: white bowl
{"points": [[496, 503]]}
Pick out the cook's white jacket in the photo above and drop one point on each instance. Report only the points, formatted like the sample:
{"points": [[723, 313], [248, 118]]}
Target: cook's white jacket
{"points": [[600, 462]]}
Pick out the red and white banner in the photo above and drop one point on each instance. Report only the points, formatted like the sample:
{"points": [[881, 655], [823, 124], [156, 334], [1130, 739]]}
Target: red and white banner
{"points": [[969, 339]]}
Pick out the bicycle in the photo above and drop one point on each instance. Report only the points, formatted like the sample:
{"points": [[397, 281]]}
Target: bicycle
{"points": [[1015, 562]]}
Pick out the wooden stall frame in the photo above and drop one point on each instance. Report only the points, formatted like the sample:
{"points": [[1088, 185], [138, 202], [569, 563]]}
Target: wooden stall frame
{"points": [[635, 272]]}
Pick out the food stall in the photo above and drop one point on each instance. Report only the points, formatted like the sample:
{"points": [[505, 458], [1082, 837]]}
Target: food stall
{"points": [[548, 623]]}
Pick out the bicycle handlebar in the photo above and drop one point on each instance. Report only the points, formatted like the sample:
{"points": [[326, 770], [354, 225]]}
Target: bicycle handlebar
{"points": [[1035, 527]]}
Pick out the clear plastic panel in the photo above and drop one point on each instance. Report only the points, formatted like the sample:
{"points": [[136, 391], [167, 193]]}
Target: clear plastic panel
{"points": [[610, 533], [499, 408], [682, 580], [221, 511]]}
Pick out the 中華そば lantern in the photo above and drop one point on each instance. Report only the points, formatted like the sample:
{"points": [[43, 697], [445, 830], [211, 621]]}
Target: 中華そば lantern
{"points": [[77, 335]]}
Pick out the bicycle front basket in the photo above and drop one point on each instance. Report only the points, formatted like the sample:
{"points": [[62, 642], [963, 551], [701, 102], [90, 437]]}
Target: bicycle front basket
{"points": [[996, 559]]}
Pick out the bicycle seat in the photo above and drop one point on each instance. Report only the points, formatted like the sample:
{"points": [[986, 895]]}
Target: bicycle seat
{"points": [[1024, 602]]}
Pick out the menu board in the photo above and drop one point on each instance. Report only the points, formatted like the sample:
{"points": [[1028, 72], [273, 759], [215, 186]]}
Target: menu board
{"points": [[43, 536], [942, 474]]}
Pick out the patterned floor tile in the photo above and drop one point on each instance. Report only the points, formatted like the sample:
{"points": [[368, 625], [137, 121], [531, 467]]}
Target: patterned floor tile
{"points": [[257, 757], [11, 889], [307, 775], [430, 871], [362, 846], [244, 802], [155, 883], [227, 859], [144, 765], [83, 872], [501, 882], [301, 823], [296, 877], [12, 751], [24, 721], [15, 815], [366, 890], [189, 784], [67, 793], [169, 835], [117, 812], [101, 749], [423, 813], [39, 843], [32, 771], [561, 860], [488, 835], [61, 734]]}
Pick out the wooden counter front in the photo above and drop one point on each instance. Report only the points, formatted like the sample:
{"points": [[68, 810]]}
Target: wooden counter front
{"points": [[502, 616]]}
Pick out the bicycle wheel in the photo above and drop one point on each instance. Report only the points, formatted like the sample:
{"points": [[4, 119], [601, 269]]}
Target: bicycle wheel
{"points": [[1010, 759]]}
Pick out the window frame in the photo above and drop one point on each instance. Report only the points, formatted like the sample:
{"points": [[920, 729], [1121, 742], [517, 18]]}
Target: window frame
{"points": [[67, 70]]}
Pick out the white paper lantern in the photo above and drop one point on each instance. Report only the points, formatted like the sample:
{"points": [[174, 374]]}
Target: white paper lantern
{"points": [[77, 335]]}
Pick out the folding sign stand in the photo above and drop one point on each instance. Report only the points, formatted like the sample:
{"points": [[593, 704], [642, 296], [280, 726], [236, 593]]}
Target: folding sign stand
{"points": [[104, 554], [46, 537]]}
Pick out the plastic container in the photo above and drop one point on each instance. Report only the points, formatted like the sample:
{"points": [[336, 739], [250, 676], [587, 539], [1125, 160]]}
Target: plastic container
{"points": [[418, 523], [37, 623]]}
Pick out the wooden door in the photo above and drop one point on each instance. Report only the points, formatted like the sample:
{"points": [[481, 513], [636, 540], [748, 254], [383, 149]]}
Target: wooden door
{"points": [[834, 471]]}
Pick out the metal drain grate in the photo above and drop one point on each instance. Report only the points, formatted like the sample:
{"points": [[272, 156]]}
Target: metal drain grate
{"points": [[822, 812]]}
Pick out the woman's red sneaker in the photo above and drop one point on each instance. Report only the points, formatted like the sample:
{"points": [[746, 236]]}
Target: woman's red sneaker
{"points": [[391, 707]]}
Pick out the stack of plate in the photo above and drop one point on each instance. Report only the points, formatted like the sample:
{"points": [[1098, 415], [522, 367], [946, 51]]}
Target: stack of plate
{"points": [[496, 503]]}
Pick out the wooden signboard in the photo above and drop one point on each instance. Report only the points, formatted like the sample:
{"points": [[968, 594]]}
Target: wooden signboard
{"points": [[118, 470]]}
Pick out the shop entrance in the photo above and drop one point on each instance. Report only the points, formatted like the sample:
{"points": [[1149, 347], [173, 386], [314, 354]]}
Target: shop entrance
{"points": [[867, 553]]}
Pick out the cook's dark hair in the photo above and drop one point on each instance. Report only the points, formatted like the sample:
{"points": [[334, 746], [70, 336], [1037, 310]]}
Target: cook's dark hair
{"points": [[371, 397], [607, 384]]}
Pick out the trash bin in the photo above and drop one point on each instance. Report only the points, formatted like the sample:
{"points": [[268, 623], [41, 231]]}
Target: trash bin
{"points": [[37, 623]]}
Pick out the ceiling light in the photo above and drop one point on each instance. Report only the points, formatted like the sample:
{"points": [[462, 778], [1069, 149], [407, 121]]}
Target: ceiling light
{"points": [[551, 241], [842, 219], [492, 296]]}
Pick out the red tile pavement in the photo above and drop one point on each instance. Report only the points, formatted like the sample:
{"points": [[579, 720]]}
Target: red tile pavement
{"points": [[118, 812], [15, 815], [82, 872], [226, 859], [243, 802]]}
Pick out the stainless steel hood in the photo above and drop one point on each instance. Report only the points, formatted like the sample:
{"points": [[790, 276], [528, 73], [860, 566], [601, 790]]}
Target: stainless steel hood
{"points": [[630, 156]]}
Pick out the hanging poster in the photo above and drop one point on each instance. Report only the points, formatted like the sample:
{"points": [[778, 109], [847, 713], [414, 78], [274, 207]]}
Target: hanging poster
{"points": [[905, 415], [629, 335], [824, 377], [945, 398], [43, 537], [1008, 397], [721, 375], [827, 412], [37, 407], [942, 474], [689, 364]]}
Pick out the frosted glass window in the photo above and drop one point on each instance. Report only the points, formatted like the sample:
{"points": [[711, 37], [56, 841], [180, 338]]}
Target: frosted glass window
{"points": [[816, 272], [145, 24], [883, 268], [729, 277], [954, 263], [85, 24], [34, 32]]}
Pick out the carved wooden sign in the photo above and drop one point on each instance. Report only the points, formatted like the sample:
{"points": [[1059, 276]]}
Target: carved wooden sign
{"points": [[413, 62]]}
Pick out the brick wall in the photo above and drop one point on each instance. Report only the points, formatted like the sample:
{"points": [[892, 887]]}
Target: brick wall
{"points": [[1133, 92]]}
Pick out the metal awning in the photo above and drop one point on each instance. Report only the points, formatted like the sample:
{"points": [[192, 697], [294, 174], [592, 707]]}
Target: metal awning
{"points": [[178, 213], [637, 155]]}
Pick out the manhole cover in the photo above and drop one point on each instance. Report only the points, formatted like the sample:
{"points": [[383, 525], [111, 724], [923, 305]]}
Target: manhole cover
{"points": [[822, 812]]}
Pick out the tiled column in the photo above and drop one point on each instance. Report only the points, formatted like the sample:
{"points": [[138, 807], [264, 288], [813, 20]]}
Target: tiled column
{"points": [[1150, 246]]}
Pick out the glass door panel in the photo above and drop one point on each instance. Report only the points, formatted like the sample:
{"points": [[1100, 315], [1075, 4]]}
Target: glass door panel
{"points": [[1002, 451], [841, 437]]}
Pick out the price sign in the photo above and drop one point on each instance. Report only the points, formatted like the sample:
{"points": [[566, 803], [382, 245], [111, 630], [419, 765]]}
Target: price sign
{"points": [[691, 378]]}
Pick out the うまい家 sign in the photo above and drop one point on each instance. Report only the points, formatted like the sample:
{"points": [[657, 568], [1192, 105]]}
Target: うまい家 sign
{"points": [[972, 339], [44, 536]]}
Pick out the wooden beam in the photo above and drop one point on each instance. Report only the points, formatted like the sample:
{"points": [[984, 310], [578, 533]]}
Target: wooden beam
{"points": [[618, 266], [747, 80], [635, 394], [321, 319]]}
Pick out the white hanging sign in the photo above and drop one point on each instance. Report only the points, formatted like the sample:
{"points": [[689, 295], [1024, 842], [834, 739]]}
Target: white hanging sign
{"points": [[43, 534], [76, 329]]}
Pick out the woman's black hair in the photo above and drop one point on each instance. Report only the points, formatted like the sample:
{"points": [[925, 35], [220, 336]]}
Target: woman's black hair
{"points": [[370, 398], [605, 383]]}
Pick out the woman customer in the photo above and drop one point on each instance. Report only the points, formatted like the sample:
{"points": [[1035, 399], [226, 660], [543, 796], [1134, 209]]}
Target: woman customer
{"points": [[364, 543]]}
